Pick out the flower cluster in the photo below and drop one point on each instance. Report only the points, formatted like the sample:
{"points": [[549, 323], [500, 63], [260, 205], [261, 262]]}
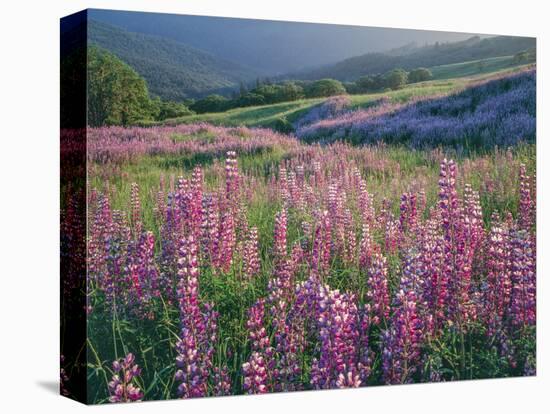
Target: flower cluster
{"points": [[122, 387]]}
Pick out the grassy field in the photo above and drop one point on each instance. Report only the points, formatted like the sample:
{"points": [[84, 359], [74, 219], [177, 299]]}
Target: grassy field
{"points": [[472, 68], [449, 79]]}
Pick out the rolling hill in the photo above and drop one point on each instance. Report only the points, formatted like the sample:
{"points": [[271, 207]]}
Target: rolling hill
{"points": [[437, 54], [173, 70]]}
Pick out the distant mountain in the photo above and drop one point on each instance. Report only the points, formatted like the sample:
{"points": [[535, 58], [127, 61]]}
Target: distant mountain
{"points": [[410, 57], [272, 47], [172, 70]]}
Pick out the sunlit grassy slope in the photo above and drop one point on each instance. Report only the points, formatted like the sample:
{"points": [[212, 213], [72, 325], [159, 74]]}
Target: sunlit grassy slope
{"points": [[268, 115], [472, 68]]}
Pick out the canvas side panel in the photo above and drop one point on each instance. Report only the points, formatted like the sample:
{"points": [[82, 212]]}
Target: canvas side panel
{"points": [[73, 215]]}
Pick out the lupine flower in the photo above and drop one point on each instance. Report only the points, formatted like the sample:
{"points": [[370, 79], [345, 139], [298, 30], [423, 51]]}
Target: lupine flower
{"points": [[523, 264], [280, 243], [136, 209], [378, 288], [497, 288], [198, 333], [255, 375], [525, 215], [504, 115], [321, 254], [402, 341], [222, 382], [366, 247], [339, 359], [250, 254], [122, 387]]}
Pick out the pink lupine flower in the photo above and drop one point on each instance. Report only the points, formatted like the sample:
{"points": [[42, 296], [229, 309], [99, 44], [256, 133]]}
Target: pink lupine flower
{"points": [[211, 230], [391, 234], [222, 382], [497, 288], [458, 248], [280, 236], [136, 209], [523, 269], [339, 363], [122, 387], [366, 247], [257, 334], [402, 341], [378, 294], [350, 248], [195, 348], [321, 254], [525, 208], [297, 255], [255, 375], [250, 254]]}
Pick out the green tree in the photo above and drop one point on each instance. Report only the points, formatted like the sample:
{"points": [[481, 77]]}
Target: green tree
{"points": [[171, 109], [117, 95], [419, 75], [250, 99], [290, 91], [396, 79], [365, 84], [325, 87], [212, 103]]}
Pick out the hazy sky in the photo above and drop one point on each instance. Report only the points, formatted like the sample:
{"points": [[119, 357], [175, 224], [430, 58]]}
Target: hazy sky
{"points": [[272, 45]]}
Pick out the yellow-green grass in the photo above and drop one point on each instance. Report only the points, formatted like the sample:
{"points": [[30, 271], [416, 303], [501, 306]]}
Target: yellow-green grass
{"points": [[268, 115], [473, 67]]}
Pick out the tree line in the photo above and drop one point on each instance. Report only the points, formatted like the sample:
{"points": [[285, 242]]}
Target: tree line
{"points": [[266, 92], [117, 95]]}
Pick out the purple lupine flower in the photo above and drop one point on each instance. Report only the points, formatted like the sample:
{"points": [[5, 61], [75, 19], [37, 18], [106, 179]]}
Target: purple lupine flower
{"points": [[378, 294], [367, 248], [280, 236], [122, 387], [350, 248], [458, 250], [257, 334], [250, 254], [211, 230], [402, 341], [432, 267], [136, 209], [321, 254], [523, 274], [198, 328], [497, 287], [222, 382], [525, 207], [339, 363], [255, 375]]}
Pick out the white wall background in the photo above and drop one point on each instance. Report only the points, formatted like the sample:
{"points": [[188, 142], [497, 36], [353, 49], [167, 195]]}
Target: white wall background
{"points": [[29, 160]]}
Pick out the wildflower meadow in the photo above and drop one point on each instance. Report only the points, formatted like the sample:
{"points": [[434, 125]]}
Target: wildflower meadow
{"points": [[227, 261]]}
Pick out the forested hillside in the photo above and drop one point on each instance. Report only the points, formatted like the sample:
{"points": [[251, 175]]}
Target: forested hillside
{"points": [[437, 54], [173, 70]]}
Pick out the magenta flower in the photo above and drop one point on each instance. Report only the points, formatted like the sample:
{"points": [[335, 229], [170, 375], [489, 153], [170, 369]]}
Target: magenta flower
{"points": [[251, 257], [195, 348], [402, 341], [122, 387], [378, 294]]}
